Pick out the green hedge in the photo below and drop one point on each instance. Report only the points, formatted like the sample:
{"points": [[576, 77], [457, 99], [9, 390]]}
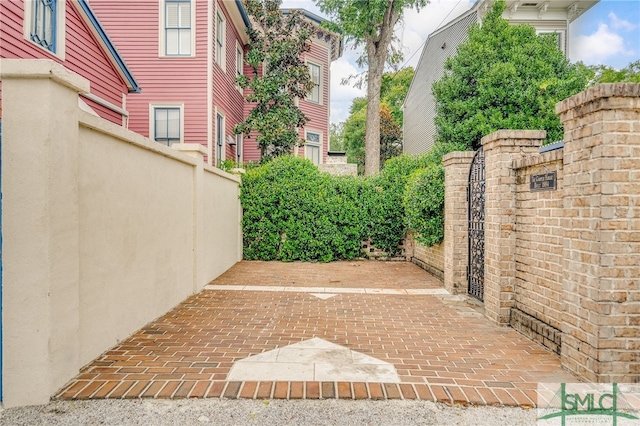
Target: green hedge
{"points": [[424, 204], [292, 211]]}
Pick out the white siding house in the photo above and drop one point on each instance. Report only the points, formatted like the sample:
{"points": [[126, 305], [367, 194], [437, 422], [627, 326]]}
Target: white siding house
{"points": [[550, 16]]}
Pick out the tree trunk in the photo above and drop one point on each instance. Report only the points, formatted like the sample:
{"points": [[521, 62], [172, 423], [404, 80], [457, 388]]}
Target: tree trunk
{"points": [[377, 50], [372, 135]]}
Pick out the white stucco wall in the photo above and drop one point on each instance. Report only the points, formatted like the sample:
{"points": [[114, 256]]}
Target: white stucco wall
{"points": [[103, 230], [136, 238], [221, 240]]}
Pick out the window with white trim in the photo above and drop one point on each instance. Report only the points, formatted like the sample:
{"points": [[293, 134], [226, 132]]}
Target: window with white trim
{"points": [[220, 144], [239, 63], [239, 148], [313, 147], [314, 72], [177, 28], [220, 39], [44, 25], [166, 124], [559, 37]]}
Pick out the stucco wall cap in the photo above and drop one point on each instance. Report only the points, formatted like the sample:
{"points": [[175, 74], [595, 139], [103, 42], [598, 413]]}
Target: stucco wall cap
{"points": [[42, 68], [190, 147]]}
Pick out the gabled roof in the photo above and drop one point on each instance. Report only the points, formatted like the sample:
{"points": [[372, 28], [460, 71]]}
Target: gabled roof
{"points": [[112, 53], [334, 39], [243, 13]]}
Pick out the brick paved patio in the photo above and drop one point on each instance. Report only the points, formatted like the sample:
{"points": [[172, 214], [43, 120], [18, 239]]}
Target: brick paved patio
{"points": [[442, 347]]}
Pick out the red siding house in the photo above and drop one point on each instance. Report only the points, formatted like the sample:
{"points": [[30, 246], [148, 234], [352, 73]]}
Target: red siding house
{"points": [[187, 54], [69, 33]]}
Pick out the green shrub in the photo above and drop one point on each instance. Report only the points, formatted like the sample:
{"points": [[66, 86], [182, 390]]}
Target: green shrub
{"points": [[424, 204], [388, 225], [292, 211]]}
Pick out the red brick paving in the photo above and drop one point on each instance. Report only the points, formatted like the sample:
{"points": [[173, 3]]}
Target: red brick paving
{"points": [[369, 274], [441, 351]]}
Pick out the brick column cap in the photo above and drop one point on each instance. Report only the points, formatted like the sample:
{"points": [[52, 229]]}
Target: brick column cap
{"points": [[513, 138], [601, 91], [457, 157]]}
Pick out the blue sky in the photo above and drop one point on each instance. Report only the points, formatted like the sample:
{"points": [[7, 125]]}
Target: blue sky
{"points": [[608, 33]]}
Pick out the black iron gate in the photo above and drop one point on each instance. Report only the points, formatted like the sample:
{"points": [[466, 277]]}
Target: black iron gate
{"points": [[475, 198]]}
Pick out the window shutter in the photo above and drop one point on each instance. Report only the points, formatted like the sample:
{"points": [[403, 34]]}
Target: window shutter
{"points": [[185, 15], [173, 123], [172, 15]]}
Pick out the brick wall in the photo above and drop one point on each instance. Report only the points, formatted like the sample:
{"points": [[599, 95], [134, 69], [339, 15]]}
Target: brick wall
{"points": [[601, 328], [430, 259], [500, 150], [456, 247], [562, 266], [537, 311]]}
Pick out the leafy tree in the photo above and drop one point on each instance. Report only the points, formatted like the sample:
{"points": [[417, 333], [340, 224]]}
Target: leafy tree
{"points": [[597, 74], [390, 135], [354, 134], [503, 77], [394, 88], [278, 42], [336, 136], [370, 23]]}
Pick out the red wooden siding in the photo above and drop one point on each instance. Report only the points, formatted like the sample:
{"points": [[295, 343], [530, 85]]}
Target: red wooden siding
{"points": [[227, 99], [133, 26], [83, 55], [318, 113]]}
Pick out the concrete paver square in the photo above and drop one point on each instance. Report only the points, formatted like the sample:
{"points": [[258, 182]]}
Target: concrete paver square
{"points": [[359, 358], [385, 291], [313, 360], [271, 371], [316, 343], [270, 356], [348, 290], [324, 296], [375, 373], [289, 354]]}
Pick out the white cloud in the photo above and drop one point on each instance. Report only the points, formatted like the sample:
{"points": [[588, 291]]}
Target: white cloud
{"points": [[596, 48], [418, 25], [301, 4], [343, 68], [620, 24], [604, 45], [411, 32], [342, 95]]}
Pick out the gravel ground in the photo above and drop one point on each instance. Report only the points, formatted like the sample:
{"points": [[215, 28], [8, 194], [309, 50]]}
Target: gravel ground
{"points": [[262, 413]]}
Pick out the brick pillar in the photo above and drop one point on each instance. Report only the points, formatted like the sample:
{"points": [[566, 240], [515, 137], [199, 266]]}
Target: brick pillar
{"points": [[500, 150], [456, 180], [601, 285]]}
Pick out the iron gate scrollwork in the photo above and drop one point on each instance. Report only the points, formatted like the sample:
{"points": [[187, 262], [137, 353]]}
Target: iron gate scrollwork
{"points": [[475, 197]]}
